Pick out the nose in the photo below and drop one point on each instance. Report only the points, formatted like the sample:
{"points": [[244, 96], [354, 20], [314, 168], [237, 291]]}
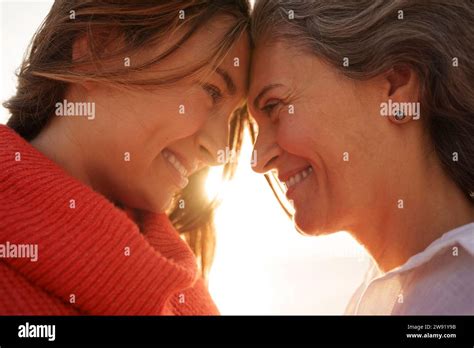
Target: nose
{"points": [[212, 141], [266, 150]]}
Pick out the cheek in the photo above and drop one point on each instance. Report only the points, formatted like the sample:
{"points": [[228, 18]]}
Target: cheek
{"points": [[291, 136], [170, 119], [320, 142], [137, 129], [297, 134], [318, 132]]}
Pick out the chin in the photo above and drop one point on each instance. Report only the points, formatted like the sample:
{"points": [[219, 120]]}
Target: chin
{"points": [[154, 202], [310, 224], [304, 224], [159, 203]]}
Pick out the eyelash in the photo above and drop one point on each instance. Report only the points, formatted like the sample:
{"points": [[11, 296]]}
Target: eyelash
{"points": [[214, 92], [269, 108]]}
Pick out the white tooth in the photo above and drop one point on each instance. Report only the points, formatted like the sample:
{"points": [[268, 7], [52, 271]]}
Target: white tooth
{"points": [[310, 169], [292, 181], [298, 178], [172, 159], [304, 174], [176, 163]]}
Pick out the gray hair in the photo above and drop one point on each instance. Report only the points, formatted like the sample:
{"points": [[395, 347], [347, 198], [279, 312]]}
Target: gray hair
{"points": [[435, 38]]}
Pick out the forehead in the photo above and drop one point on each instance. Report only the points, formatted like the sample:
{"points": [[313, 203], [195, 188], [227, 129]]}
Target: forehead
{"points": [[207, 38], [237, 61], [273, 63], [198, 49], [289, 65]]}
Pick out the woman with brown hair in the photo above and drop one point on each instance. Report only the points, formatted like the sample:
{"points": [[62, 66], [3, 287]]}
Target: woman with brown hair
{"points": [[365, 110], [121, 107]]}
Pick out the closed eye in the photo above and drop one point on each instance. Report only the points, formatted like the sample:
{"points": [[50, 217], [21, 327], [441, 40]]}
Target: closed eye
{"points": [[270, 107], [213, 91]]}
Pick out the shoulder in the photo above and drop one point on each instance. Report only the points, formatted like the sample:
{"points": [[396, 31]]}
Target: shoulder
{"points": [[442, 286]]}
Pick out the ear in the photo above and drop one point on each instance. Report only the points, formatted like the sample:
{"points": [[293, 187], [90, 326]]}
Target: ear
{"points": [[102, 41], [99, 46], [80, 48], [403, 84], [401, 92], [80, 52]]}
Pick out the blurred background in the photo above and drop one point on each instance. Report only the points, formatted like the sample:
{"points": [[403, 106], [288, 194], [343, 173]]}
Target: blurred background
{"points": [[262, 265]]}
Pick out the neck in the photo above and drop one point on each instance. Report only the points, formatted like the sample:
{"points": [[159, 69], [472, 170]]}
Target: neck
{"points": [[432, 205], [57, 142]]}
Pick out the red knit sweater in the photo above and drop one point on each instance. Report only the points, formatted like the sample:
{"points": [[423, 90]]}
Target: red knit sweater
{"points": [[92, 258]]}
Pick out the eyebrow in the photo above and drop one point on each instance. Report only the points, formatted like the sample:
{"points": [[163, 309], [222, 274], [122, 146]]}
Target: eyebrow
{"points": [[264, 90], [228, 80]]}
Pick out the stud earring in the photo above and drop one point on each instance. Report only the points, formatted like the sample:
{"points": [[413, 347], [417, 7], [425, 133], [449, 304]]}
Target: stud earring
{"points": [[399, 116]]}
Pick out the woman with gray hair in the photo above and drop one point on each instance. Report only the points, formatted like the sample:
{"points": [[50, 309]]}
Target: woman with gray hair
{"points": [[365, 111]]}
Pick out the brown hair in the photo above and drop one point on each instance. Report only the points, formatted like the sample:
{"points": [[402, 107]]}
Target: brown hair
{"points": [[429, 36], [48, 68]]}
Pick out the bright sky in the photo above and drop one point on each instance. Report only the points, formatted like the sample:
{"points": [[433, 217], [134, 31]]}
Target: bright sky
{"points": [[262, 264]]}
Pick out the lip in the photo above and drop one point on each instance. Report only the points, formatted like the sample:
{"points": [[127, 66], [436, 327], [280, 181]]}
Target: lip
{"points": [[182, 160], [291, 190], [287, 175], [179, 180]]}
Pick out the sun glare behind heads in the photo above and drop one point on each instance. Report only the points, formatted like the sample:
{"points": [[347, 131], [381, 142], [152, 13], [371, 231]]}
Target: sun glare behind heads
{"points": [[215, 185], [262, 265]]}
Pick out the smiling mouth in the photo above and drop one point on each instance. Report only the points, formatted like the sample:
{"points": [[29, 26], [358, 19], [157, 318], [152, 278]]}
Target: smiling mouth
{"points": [[182, 177], [298, 177]]}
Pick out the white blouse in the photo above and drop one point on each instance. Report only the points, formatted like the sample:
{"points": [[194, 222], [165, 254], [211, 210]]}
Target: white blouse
{"points": [[437, 281]]}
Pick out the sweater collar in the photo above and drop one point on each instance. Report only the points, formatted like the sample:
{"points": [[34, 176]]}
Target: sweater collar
{"points": [[90, 253]]}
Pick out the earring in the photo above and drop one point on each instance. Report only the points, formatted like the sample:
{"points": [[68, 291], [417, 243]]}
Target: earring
{"points": [[399, 116]]}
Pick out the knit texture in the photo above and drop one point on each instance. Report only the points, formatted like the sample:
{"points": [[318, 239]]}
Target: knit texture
{"points": [[92, 258]]}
